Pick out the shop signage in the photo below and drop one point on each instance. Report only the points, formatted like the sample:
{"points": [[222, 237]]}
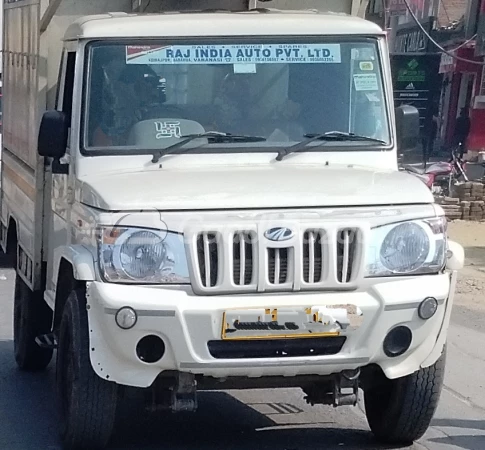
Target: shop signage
{"points": [[447, 63], [416, 83], [412, 39]]}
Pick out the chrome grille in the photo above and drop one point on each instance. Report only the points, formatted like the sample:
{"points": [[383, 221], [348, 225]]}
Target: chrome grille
{"points": [[208, 257], [243, 258], [278, 263], [313, 256], [239, 258], [346, 250]]}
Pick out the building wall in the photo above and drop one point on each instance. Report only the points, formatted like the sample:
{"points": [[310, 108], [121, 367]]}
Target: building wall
{"points": [[421, 8], [476, 139], [451, 10]]}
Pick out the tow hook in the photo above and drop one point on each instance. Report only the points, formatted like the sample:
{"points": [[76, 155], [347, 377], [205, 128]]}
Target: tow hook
{"points": [[346, 388], [342, 390], [184, 393]]}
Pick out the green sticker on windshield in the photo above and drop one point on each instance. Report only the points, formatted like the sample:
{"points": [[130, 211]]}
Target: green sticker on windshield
{"points": [[366, 65]]}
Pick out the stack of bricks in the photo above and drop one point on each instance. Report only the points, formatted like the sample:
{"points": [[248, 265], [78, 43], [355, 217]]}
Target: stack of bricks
{"points": [[476, 210], [470, 191], [470, 204], [451, 207]]}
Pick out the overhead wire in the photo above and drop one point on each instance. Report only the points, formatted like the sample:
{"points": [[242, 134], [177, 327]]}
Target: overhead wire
{"points": [[464, 43], [436, 44]]}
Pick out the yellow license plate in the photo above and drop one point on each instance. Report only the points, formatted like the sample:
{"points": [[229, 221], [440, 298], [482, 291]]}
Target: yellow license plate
{"points": [[287, 322]]}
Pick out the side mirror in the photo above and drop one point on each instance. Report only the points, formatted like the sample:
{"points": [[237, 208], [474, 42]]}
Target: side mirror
{"points": [[53, 135], [407, 127]]}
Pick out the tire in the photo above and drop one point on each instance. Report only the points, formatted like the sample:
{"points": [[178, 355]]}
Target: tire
{"points": [[32, 317], [400, 411], [87, 403]]}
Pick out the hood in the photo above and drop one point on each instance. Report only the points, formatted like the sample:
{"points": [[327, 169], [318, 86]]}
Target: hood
{"points": [[252, 187]]}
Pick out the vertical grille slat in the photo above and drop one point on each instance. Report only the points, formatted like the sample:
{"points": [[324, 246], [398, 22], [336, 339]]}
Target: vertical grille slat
{"points": [[207, 261], [208, 257], [242, 246], [243, 258], [346, 250], [345, 265], [311, 245], [313, 250], [278, 263]]}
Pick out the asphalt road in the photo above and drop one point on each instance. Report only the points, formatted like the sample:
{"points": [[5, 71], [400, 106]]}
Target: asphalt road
{"points": [[259, 420]]}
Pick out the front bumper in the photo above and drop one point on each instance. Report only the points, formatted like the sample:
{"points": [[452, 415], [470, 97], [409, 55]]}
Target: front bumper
{"points": [[186, 323]]}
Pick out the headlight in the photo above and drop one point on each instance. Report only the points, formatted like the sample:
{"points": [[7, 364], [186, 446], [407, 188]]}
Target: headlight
{"points": [[415, 247], [137, 255]]}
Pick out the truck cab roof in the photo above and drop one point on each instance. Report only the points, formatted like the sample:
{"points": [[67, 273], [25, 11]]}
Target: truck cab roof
{"points": [[219, 23]]}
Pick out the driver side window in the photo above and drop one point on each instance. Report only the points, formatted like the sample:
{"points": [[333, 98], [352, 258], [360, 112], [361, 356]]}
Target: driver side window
{"points": [[117, 98]]}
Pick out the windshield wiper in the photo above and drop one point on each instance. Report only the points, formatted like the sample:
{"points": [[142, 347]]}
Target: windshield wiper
{"points": [[213, 136], [329, 136]]}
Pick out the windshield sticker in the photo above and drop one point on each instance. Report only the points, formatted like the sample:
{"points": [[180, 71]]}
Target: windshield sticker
{"points": [[366, 65], [234, 54], [168, 129], [367, 82], [244, 68]]}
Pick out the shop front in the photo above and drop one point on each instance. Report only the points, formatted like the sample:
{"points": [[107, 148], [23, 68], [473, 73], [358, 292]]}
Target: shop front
{"points": [[463, 93], [416, 78]]}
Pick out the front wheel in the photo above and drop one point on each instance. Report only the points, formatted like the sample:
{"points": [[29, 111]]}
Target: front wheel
{"points": [[400, 411], [87, 403]]}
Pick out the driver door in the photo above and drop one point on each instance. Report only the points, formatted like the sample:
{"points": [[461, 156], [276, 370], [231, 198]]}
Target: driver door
{"points": [[59, 195]]}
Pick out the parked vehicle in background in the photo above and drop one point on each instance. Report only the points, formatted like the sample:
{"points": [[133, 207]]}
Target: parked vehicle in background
{"points": [[213, 201], [441, 177]]}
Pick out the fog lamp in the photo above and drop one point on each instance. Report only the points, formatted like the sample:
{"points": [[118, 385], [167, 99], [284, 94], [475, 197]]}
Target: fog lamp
{"points": [[126, 318], [428, 308]]}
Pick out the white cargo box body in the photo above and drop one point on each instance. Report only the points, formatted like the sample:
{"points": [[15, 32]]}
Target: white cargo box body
{"points": [[31, 65], [32, 52]]}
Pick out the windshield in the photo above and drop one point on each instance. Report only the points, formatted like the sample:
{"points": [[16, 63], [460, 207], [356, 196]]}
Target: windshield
{"points": [[143, 97]]}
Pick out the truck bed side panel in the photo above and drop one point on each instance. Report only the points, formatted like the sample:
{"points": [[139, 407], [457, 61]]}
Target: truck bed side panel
{"points": [[21, 65], [22, 170]]}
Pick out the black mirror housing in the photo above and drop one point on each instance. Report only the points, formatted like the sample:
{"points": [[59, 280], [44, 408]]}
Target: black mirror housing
{"points": [[53, 135], [407, 127]]}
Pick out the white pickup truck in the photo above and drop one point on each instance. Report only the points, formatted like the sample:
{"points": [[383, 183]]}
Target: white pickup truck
{"points": [[213, 201]]}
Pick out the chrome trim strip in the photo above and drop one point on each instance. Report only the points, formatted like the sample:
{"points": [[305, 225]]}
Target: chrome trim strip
{"points": [[413, 305], [223, 364], [144, 313]]}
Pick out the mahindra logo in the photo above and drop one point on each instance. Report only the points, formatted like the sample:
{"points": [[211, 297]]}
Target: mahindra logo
{"points": [[279, 234]]}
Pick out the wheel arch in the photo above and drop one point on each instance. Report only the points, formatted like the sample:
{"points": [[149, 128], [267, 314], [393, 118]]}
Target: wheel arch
{"points": [[75, 268]]}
